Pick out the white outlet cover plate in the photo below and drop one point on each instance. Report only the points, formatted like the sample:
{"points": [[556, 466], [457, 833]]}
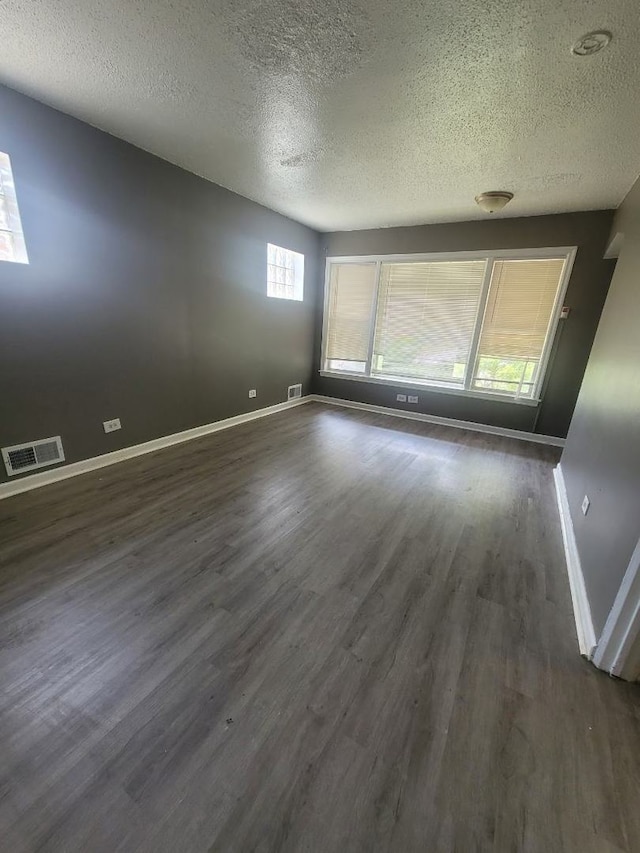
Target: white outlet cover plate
{"points": [[586, 503], [401, 398], [253, 392], [112, 425]]}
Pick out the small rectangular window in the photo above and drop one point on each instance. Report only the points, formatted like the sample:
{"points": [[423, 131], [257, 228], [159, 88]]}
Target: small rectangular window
{"points": [[12, 245], [285, 273]]}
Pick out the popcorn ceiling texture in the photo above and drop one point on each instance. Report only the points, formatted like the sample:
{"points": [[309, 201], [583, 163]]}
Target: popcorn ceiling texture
{"points": [[308, 39], [347, 114]]}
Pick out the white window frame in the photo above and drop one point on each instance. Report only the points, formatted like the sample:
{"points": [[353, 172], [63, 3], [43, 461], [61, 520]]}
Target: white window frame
{"points": [[566, 252], [297, 259], [16, 235]]}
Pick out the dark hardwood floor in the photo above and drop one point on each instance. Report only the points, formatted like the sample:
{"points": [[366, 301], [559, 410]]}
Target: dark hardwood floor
{"points": [[321, 631]]}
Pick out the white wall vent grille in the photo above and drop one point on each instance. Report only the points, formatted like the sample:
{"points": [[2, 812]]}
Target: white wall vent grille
{"points": [[33, 454], [294, 391]]}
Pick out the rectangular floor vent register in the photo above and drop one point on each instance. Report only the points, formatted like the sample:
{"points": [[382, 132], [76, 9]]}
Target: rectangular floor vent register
{"points": [[33, 454]]}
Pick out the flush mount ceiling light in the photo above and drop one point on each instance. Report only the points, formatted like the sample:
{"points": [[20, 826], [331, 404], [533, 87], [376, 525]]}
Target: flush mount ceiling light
{"points": [[591, 43], [494, 201]]}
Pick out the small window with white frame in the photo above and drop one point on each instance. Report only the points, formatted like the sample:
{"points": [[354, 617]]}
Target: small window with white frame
{"points": [[285, 273], [12, 245]]}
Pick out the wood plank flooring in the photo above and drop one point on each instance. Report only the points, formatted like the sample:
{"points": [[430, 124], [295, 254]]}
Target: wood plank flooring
{"points": [[321, 631]]}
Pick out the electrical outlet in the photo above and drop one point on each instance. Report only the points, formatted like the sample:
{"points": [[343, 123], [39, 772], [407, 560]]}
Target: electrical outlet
{"points": [[412, 399], [401, 398], [111, 426], [586, 503], [253, 393]]}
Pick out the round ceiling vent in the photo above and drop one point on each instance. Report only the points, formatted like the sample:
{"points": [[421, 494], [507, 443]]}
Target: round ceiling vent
{"points": [[591, 43]]}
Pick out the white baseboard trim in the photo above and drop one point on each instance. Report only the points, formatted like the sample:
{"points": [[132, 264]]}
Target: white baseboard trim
{"points": [[63, 472], [581, 609], [434, 419], [615, 650], [35, 481]]}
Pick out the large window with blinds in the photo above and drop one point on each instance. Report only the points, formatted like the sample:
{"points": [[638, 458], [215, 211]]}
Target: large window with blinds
{"points": [[477, 324]]}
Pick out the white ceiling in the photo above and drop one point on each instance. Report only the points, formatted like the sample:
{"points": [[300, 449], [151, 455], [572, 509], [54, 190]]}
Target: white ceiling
{"points": [[352, 113]]}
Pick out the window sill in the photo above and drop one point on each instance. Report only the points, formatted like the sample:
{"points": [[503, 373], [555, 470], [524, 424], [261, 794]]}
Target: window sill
{"points": [[432, 388]]}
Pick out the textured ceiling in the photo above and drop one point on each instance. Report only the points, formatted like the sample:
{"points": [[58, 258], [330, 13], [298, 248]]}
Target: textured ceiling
{"points": [[351, 113]]}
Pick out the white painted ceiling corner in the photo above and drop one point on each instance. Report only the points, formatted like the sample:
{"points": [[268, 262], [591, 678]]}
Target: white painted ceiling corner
{"points": [[346, 114]]}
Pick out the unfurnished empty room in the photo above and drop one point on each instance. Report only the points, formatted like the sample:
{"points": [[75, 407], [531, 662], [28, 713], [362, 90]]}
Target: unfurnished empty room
{"points": [[320, 427]]}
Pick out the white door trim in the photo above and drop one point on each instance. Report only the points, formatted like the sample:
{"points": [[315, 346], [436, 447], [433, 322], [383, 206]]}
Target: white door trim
{"points": [[614, 652]]}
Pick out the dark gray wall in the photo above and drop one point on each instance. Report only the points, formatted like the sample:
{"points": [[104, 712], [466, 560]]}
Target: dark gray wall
{"points": [[602, 455], [145, 296], [585, 295]]}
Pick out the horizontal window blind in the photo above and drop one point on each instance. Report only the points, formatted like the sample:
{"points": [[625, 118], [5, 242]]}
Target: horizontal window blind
{"points": [[519, 311], [426, 317], [352, 289], [521, 299]]}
